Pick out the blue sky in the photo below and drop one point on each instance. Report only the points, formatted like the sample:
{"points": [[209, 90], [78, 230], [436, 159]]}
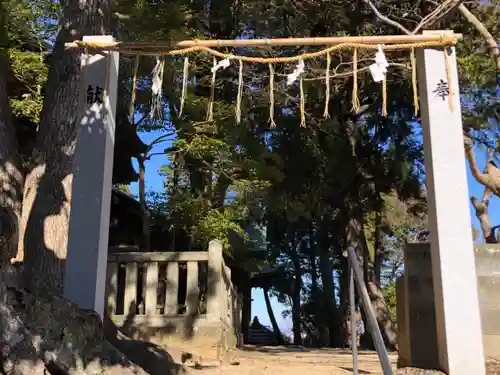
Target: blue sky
{"points": [[154, 182]]}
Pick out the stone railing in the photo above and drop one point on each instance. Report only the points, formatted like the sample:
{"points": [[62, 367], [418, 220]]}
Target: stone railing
{"points": [[163, 293]]}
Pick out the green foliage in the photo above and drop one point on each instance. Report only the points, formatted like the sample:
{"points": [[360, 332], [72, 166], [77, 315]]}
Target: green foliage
{"points": [[390, 298], [124, 189], [216, 224], [29, 76]]}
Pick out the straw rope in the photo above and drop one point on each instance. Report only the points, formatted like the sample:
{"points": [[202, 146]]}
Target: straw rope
{"points": [[239, 96], [355, 98], [150, 49], [448, 77], [185, 78], [272, 124], [384, 97], [414, 82], [210, 108], [302, 102], [134, 90], [326, 113], [444, 41]]}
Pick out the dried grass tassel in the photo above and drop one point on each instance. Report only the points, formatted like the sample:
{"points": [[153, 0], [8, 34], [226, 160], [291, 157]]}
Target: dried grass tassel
{"points": [[210, 109], [326, 114], [448, 77], [240, 93], [416, 105], [384, 97], [302, 103], [185, 74], [355, 99], [272, 124], [133, 94]]}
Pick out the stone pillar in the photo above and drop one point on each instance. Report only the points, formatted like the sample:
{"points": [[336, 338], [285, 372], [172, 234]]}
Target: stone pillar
{"points": [[404, 349], [457, 319], [215, 282], [488, 279], [418, 315], [85, 273]]}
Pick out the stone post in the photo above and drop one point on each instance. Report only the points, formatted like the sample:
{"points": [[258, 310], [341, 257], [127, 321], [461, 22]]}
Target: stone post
{"points": [[215, 282], [85, 272], [455, 286]]}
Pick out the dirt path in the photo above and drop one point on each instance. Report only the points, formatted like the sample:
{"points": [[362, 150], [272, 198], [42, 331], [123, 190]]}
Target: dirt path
{"points": [[294, 361]]}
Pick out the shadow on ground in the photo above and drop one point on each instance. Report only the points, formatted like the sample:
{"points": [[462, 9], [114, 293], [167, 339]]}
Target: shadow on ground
{"points": [[350, 369], [152, 358], [297, 349]]}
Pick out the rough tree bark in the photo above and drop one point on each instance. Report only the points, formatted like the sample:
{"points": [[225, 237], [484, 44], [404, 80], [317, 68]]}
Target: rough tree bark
{"points": [[47, 192], [11, 181], [357, 239]]}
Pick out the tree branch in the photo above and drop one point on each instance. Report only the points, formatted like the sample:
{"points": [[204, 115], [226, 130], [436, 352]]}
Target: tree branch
{"points": [[437, 14], [489, 39], [471, 158], [481, 208], [386, 19], [121, 16]]}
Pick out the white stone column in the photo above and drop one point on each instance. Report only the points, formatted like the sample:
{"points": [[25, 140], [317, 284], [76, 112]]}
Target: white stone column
{"points": [[455, 285], [85, 273], [215, 296]]}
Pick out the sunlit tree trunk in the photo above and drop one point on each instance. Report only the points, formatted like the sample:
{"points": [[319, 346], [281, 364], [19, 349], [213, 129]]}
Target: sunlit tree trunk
{"points": [[47, 191]]}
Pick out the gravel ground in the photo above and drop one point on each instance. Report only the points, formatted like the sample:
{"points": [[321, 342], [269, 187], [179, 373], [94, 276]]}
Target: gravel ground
{"points": [[492, 367], [303, 361], [418, 371]]}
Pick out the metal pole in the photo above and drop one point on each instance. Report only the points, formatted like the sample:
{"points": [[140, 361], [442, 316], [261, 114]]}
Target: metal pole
{"points": [[352, 306], [372, 320]]}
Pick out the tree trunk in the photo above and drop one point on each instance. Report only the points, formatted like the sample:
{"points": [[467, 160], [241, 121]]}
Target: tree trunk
{"points": [[272, 318], [315, 290], [11, 184], [47, 192], [246, 314], [377, 246], [146, 230], [357, 239], [344, 301], [297, 337], [326, 267], [329, 298]]}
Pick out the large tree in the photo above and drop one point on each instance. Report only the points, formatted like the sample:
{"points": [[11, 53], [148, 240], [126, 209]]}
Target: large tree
{"points": [[11, 181], [47, 192]]}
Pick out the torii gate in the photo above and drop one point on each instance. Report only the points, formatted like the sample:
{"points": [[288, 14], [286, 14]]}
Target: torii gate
{"points": [[455, 285]]}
